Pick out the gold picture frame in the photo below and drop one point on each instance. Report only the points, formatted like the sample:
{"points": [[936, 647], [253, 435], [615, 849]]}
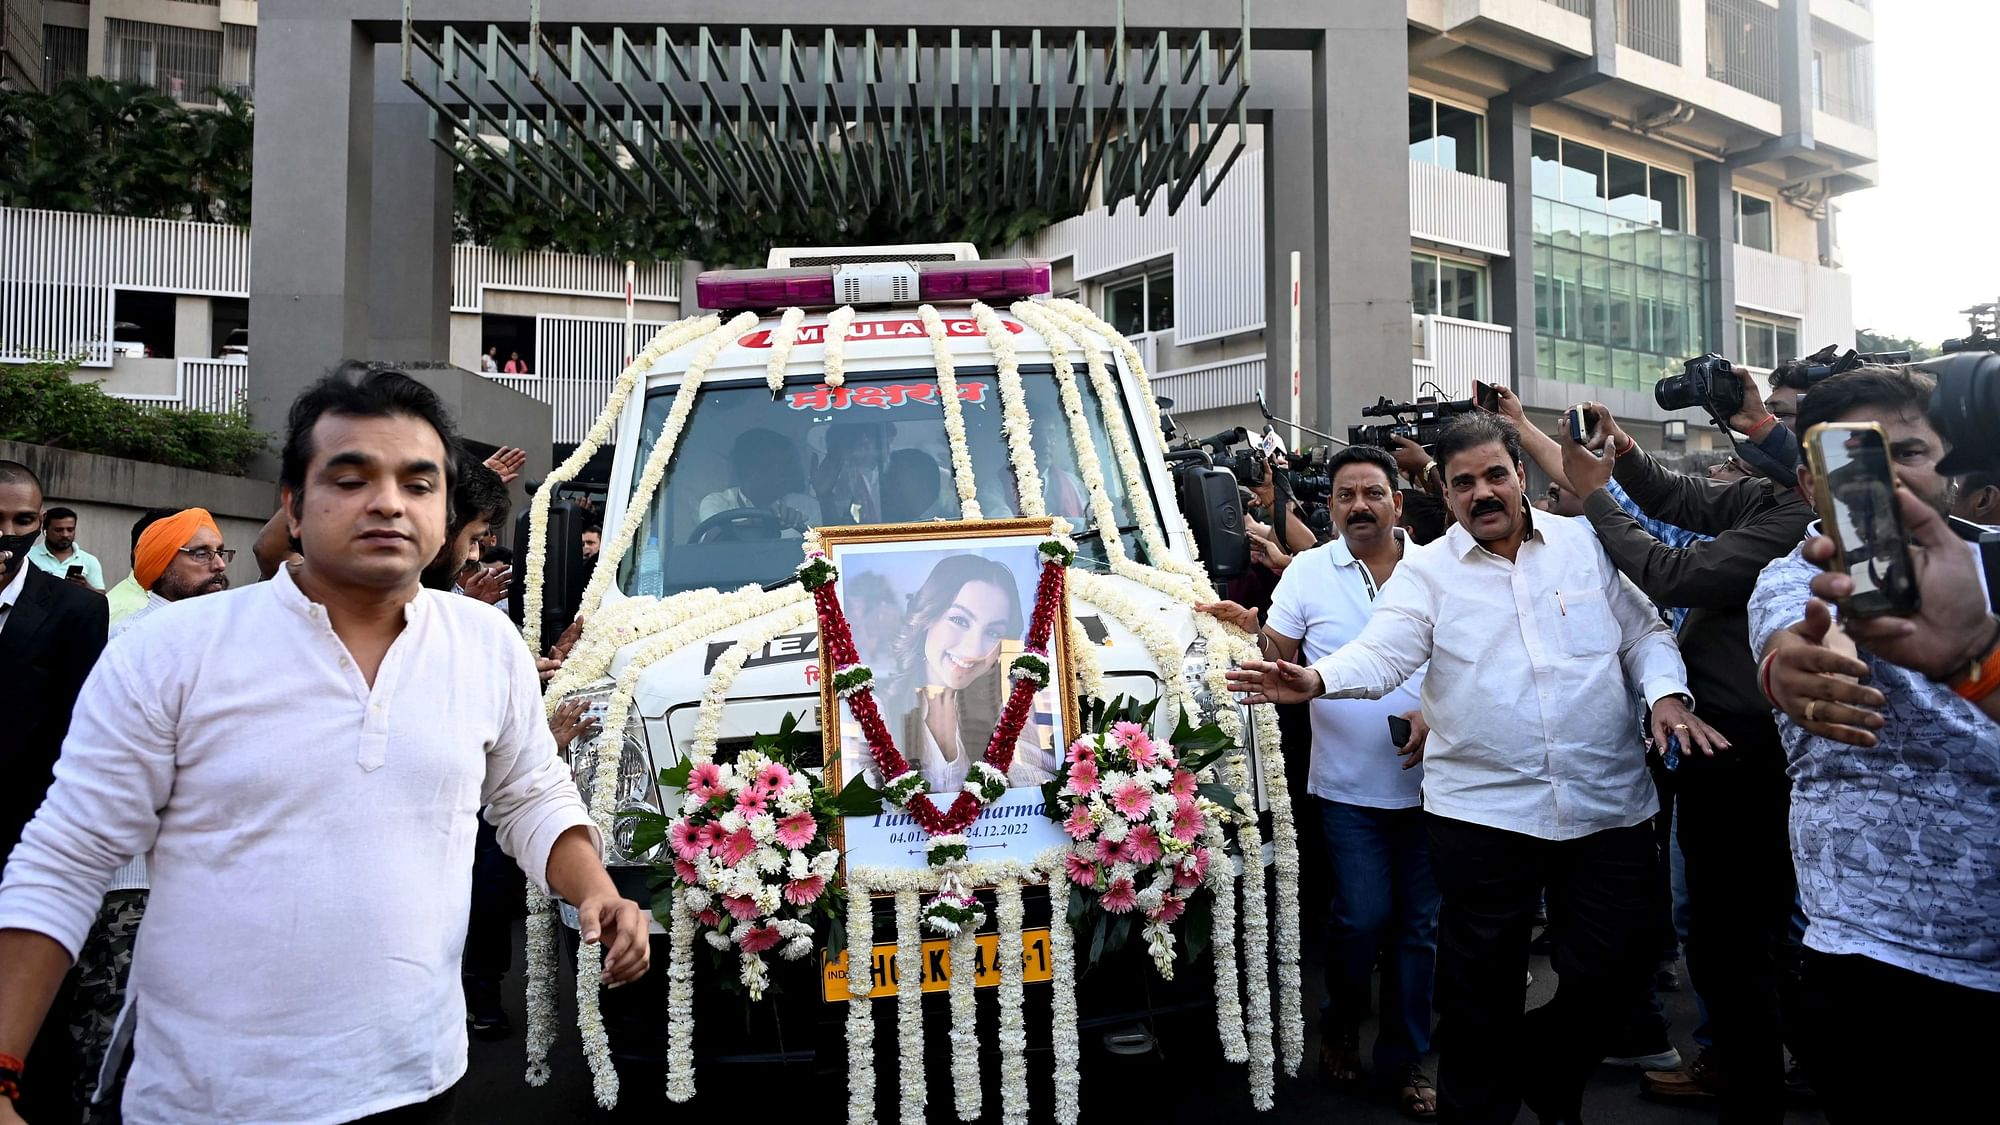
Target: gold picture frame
{"points": [[899, 551]]}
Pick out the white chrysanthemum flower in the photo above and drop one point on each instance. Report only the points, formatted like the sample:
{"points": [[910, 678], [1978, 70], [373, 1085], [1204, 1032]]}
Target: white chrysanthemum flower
{"points": [[769, 860], [763, 828], [731, 821]]}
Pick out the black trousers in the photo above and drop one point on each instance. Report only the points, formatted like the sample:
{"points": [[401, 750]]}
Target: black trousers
{"points": [[1605, 906], [1735, 840], [48, 1088], [498, 895], [1883, 1044]]}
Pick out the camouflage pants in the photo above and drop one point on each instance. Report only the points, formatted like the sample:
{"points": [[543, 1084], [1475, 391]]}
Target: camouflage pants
{"points": [[102, 969]]}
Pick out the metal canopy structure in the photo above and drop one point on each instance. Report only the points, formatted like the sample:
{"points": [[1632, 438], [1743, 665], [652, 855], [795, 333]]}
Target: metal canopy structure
{"points": [[696, 118]]}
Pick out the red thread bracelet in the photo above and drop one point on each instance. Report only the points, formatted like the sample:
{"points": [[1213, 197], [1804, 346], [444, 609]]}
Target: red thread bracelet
{"points": [[1760, 427], [1764, 677]]}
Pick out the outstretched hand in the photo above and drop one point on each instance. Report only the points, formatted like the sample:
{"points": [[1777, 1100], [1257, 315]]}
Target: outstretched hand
{"points": [[508, 461], [1672, 719], [1275, 681], [1818, 686], [620, 926]]}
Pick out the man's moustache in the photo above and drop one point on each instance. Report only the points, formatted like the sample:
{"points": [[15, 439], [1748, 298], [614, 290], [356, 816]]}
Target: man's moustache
{"points": [[1485, 506], [1362, 517]]}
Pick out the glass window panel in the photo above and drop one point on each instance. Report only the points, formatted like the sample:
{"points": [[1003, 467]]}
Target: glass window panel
{"points": [[1625, 188], [1569, 361], [1461, 139], [1648, 242], [1462, 290], [1648, 327], [1423, 147], [1671, 254], [1669, 200], [1159, 302], [1583, 175], [1753, 222], [1624, 368], [1545, 164], [1622, 307], [1125, 306], [1596, 310], [1545, 357], [1597, 364], [1423, 283], [1624, 245], [1788, 343], [1760, 344], [1673, 316]]}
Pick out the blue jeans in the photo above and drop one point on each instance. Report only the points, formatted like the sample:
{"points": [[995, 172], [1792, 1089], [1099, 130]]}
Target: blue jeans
{"points": [[1385, 898]]}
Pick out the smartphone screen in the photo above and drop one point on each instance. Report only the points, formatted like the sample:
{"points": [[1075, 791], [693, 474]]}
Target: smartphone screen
{"points": [[1486, 396], [1856, 489]]}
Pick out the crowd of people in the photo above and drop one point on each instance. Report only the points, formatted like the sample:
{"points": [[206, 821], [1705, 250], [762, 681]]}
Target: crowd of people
{"points": [[1630, 711], [1623, 709]]}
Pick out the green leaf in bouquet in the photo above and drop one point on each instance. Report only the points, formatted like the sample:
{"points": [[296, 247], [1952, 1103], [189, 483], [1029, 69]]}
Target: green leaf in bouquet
{"points": [[1079, 906], [676, 776], [1052, 795], [1197, 925], [858, 798], [1221, 794], [649, 829], [1121, 932]]}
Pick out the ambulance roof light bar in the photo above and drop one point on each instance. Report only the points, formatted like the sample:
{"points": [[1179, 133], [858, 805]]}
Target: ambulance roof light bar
{"points": [[815, 286]]}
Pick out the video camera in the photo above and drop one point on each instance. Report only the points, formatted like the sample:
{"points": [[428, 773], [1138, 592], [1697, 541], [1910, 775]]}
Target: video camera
{"points": [[1710, 381], [1420, 421], [1965, 408]]}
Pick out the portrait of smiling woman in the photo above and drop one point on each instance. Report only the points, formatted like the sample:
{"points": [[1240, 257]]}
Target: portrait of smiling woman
{"points": [[941, 675]]}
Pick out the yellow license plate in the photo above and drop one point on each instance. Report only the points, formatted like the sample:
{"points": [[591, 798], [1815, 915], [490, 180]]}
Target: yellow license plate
{"points": [[937, 966]]}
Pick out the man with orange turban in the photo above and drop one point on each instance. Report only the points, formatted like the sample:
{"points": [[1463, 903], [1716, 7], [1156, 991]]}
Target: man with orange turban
{"points": [[178, 556]]}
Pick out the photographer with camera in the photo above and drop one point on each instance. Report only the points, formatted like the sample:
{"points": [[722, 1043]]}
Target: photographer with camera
{"points": [[1534, 773], [1895, 759], [1732, 807]]}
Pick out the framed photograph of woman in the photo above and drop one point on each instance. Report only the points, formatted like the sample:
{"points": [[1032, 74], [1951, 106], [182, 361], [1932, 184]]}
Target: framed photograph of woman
{"points": [[938, 612]]}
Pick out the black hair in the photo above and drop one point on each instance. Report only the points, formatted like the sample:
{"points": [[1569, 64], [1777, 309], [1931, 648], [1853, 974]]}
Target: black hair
{"points": [[1792, 373], [58, 513], [1897, 390], [13, 472], [480, 494], [362, 390], [1469, 431], [147, 519], [1363, 455], [497, 554], [596, 529], [1424, 515], [1978, 479]]}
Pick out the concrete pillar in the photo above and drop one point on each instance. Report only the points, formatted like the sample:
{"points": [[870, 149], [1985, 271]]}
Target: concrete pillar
{"points": [[1509, 146], [194, 328], [1715, 221], [1795, 92], [409, 273], [312, 201], [1292, 221]]}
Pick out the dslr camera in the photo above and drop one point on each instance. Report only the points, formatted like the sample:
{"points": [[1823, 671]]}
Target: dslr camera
{"points": [[1420, 421], [1707, 381]]}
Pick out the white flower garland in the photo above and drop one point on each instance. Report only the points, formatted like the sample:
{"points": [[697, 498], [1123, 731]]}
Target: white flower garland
{"points": [[1015, 422], [1256, 940], [680, 1002], [954, 412], [1222, 944], [1062, 1005], [910, 1004], [613, 550], [669, 339], [1284, 831], [1083, 654], [965, 1090], [1013, 1028], [590, 1021], [834, 362], [783, 337], [1103, 595], [634, 620], [541, 955], [795, 612], [860, 1009]]}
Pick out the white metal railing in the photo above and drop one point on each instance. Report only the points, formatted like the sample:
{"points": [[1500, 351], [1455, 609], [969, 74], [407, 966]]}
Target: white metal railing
{"points": [[1456, 352], [1743, 46], [576, 361], [1423, 378], [216, 386], [1212, 386], [475, 269], [1458, 209]]}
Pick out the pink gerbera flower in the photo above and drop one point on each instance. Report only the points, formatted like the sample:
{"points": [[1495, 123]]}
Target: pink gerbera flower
{"points": [[1082, 751], [805, 892], [731, 848], [1189, 874], [1111, 851], [1142, 845], [1080, 869], [705, 781], [685, 872], [751, 800], [1129, 735], [1168, 910], [685, 839], [1083, 777], [797, 830], [1187, 822], [1133, 800], [1119, 897], [1079, 825], [773, 779], [757, 939], [1145, 753], [709, 918], [740, 908], [1184, 786]]}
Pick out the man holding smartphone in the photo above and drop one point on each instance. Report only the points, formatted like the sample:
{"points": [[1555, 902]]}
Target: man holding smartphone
{"points": [[1895, 759], [1731, 806], [1534, 775], [1369, 803]]}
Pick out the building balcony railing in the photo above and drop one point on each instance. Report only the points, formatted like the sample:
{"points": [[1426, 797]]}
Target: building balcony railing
{"points": [[1743, 46], [213, 386], [1457, 209], [1580, 7], [1651, 27], [1449, 354]]}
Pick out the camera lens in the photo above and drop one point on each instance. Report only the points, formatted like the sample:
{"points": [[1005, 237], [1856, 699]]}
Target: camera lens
{"points": [[1965, 409], [1676, 392]]}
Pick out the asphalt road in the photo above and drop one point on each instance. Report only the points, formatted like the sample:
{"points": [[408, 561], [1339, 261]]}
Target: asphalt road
{"points": [[1114, 1087]]}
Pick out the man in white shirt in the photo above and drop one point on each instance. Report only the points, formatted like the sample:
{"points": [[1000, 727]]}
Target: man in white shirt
{"points": [[1384, 894], [301, 762], [1534, 774]]}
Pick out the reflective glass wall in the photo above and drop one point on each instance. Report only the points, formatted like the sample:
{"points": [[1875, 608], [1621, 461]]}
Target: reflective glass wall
{"points": [[1618, 302]]}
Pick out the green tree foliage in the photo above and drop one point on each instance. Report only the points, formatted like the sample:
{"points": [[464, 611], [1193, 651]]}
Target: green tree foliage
{"points": [[1868, 340], [41, 405], [120, 148]]}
